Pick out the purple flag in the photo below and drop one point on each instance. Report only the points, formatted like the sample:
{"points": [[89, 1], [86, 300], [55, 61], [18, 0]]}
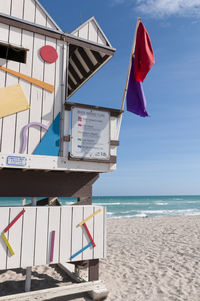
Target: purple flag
{"points": [[135, 98]]}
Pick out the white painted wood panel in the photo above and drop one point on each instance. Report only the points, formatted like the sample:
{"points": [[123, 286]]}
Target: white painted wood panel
{"points": [[65, 234], [5, 7], [77, 244], [101, 40], [48, 98], [17, 8], [9, 122], [54, 225], [42, 222], [88, 253], [4, 221], [60, 67], [83, 32], [4, 35], [93, 31], [29, 10], [36, 94], [15, 239], [98, 233], [40, 17], [23, 117], [28, 237]]}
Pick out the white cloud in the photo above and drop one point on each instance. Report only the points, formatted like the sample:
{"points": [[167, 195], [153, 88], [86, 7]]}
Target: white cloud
{"points": [[169, 7], [162, 8]]}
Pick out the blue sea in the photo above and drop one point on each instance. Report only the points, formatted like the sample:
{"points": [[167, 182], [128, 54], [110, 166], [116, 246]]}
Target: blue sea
{"points": [[135, 206]]}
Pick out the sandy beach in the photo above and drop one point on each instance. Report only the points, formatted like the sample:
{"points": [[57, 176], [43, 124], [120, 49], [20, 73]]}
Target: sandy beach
{"points": [[154, 259]]}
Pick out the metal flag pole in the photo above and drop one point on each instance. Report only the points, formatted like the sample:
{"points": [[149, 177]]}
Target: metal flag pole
{"points": [[127, 78]]}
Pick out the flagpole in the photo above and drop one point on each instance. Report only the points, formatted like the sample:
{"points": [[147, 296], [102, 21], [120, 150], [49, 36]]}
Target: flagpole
{"points": [[127, 78]]}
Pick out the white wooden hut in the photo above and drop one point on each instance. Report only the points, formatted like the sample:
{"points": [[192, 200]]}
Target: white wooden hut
{"points": [[49, 146]]}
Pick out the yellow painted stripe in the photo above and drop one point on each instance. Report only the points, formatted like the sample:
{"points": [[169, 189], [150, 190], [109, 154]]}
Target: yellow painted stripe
{"points": [[89, 217], [7, 244]]}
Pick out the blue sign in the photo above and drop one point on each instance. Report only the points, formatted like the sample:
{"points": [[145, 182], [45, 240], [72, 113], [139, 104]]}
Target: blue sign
{"points": [[16, 161]]}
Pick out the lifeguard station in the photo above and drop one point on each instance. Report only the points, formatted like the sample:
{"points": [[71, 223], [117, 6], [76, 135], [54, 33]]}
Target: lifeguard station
{"points": [[50, 147]]}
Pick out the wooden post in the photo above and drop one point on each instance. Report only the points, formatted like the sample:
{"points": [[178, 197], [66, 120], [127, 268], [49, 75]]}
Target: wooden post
{"points": [[127, 79], [93, 270], [29, 269]]}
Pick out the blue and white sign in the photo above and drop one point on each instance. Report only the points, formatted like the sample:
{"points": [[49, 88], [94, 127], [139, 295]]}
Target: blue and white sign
{"points": [[16, 161]]}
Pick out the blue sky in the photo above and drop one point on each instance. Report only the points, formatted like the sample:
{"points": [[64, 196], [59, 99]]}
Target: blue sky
{"points": [[159, 155]]}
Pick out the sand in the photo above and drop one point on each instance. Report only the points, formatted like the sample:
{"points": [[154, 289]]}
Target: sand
{"points": [[148, 259]]}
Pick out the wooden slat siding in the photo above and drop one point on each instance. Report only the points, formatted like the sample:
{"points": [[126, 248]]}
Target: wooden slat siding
{"points": [[72, 79], [15, 239], [17, 8], [29, 10], [101, 39], [28, 237], [81, 60], [91, 57], [74, 73], [98, 233], [76, 69], [4, 36], [65, 234], [4, 221], [41, 236], [5, 7], [83, 32], [86, 59], [92, 31], [9, 122], [41, 17], [36, 94], [48, 98], [77, 232], [58, 85], [78, 65], [97, 56], [71, 83], [88, 254], [113, 112], [54, 225], [23, 117]]}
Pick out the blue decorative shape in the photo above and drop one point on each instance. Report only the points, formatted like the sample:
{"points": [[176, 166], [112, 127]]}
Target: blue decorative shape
{"points": [[82, 250], [49, 145]]}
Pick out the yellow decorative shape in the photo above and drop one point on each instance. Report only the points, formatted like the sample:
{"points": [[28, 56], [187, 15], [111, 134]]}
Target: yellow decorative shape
{"points": [[12, 100], [89, 217], [7, 244], [29, 79]]}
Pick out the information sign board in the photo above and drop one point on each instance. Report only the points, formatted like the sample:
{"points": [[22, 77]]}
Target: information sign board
{"points": [[90, 134]]}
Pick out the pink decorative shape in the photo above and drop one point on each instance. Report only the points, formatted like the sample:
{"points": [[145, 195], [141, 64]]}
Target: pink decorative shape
{"points": [[49, 54]]}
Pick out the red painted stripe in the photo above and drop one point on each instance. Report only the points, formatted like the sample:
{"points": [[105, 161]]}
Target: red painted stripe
{"points": [[89, 235], [14, 221]]}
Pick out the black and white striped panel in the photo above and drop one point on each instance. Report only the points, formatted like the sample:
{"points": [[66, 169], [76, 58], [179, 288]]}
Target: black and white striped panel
{"points": [[83, 62]]}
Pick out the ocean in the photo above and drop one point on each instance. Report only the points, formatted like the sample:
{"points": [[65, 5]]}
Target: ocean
{"points": [[135, 206]]}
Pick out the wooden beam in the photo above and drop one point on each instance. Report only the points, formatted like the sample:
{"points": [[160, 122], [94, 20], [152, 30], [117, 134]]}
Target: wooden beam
{"points": [[51, 184], [93, 269], [113, 112], [57, 292]]}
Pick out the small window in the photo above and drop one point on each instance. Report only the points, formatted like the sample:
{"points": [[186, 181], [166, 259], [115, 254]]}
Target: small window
{"points": [[13, 53]]}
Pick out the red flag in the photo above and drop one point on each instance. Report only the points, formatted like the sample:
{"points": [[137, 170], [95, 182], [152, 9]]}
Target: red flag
{"points": [[144, 58]]}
